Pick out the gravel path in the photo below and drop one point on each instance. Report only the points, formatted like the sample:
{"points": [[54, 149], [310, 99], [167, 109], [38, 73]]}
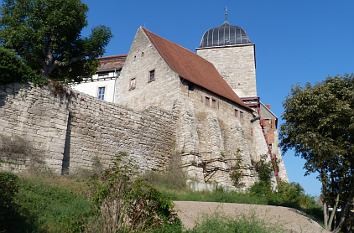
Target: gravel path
{"points": [[290, 219]]}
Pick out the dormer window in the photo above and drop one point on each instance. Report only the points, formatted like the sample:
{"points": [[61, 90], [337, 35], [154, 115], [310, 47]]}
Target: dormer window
{"points": [[151, 75]]}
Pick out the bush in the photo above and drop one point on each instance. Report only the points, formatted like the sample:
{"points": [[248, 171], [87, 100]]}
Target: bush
{"points": [[126, 203], [241, 225], [8, 189], [264, 170], [172, 178], [236, 173], [261, 189]]}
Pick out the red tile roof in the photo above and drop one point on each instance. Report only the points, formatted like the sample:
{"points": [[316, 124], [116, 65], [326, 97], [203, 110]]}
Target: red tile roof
{"points": [[111, 63], [193, 68]]}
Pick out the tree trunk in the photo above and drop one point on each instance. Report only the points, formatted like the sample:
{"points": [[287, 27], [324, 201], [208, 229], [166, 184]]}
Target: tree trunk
{"points": [[346, 209], [330, 221], [325, 215], [325, 207]]}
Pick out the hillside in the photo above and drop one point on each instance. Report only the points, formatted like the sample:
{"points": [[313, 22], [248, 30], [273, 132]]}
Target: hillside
{"points": [[190, 212]]}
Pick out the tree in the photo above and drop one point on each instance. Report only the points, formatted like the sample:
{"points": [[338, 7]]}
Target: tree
{"points": [[319, 126], [46, 35], [12, 69]]}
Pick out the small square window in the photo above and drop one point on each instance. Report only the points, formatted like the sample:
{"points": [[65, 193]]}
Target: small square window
{"points": [[191, 87], [101, 92], [207, 101], [132, 84], [151, 75]]}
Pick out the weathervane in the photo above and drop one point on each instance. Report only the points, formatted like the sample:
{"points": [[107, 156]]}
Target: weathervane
{"points": [[226, 15]]}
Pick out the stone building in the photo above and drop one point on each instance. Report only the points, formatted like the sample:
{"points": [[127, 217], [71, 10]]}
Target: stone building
{"points": [[217, 129], [162, 100]]}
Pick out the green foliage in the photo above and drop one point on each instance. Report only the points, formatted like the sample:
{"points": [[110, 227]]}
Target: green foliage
{"points": [[46, 34], [264, 170], [320, 127], [261, 189], [28, 204], [293, 195], [9, 187], [13, 69], [127, 203], [236, 173], [218, 195], [8, 209], [52, 205], [241, 225], [47, 203], [172, 178], [148, 207]]}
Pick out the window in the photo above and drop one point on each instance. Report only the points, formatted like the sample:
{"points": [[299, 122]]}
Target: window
{"points": [[151, 75], [101, 91], [241, 115], [207, 101], [214, 103], [132, 84], [190, 87], [236, 113]]}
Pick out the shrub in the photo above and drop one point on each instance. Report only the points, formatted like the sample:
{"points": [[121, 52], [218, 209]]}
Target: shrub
{"points": [[8, 189], [241, 225], [236, 173], [264, 170], [172, 178], [127, 203]]}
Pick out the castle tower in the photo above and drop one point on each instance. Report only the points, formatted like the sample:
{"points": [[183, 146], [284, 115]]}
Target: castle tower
{"points": [[233, 54]]}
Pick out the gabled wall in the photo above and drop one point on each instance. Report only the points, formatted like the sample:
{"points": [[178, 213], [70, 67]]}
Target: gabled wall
{"points": [[142, 58]]}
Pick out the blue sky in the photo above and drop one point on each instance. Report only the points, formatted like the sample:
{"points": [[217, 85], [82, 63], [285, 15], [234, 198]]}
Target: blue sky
{"points": [[296, 41]]}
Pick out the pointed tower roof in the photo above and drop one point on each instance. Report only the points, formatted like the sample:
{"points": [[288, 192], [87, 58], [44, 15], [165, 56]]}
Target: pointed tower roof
{"points": [[192, 67]]}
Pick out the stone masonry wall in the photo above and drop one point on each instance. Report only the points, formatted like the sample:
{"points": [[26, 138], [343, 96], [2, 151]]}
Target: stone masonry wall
{"points": [[142, 58], [214, 138], [237, 65], [64, 132]]}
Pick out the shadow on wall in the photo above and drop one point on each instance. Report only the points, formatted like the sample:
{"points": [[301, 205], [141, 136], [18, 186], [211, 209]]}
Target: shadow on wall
{"points": [[11, 89], [66, 157], [17, 152]]}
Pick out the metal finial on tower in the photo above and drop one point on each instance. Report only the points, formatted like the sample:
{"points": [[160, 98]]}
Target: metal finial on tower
{"points": [[226, 14]]}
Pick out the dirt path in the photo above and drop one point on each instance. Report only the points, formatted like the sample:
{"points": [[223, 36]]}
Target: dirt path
{"points": [[290, 219]]}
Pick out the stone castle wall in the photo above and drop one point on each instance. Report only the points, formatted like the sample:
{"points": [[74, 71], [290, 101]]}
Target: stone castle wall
{"points": [[46, 128], [214, 138]]}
